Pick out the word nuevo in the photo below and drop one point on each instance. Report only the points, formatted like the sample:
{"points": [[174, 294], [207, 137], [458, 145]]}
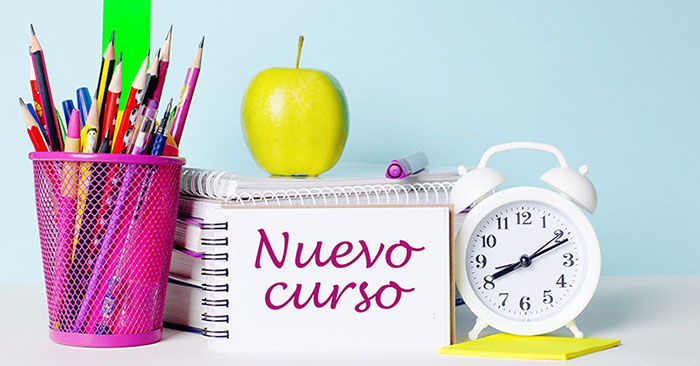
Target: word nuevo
{"points": [[342, 255]]}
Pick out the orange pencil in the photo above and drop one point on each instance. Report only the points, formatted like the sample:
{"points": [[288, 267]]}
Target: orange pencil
{"points": [[32, 128]]}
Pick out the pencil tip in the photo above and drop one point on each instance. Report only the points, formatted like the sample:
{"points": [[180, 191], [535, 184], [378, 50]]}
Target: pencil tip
{"points": [[120, 57], [112, 39], [170, 32], [21, 102], [158, 53], [31, 26], [201, 44]]}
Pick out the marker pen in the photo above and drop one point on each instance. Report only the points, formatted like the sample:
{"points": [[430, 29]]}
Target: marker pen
{"points": [[403, 167]]}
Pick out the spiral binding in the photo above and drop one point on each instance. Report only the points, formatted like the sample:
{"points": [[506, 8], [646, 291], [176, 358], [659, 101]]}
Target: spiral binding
{"points": [[208, 184], [214, 303], [215, 333]]}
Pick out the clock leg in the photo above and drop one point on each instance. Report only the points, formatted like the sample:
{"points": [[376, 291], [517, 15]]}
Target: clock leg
{"points": [[574, 329], [479, 326]]}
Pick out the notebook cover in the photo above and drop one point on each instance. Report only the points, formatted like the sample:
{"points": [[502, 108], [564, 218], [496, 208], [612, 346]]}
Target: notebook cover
{"points": [[277, 252]]}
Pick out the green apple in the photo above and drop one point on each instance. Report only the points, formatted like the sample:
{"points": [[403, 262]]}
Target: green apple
{"points": [[295, 121]]}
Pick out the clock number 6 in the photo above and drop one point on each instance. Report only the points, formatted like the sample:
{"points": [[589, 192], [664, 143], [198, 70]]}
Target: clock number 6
{"points": [[525, 303]]}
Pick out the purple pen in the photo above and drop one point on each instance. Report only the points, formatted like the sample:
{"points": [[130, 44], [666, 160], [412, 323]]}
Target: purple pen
{"points": [[143, 132], [403, 167]]}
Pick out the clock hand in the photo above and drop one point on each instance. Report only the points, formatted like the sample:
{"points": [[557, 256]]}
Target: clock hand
{"points": [[557, 235], [505, 265], [526, 260], [507, 269], [536, 251], [548, 249]]}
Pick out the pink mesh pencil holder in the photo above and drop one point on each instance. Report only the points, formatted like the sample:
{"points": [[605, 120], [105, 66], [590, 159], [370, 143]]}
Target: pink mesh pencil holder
{"points": [[106, 226]]}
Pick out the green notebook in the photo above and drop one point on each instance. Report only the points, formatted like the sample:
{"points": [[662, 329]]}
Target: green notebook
{"points": [[529, 347]]}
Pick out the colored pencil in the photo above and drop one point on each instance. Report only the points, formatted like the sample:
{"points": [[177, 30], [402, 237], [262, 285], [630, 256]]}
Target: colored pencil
{"points": [[36, 96], [125, 127], [163, 65], [30, 108], [111, 108], [106, 71], [187, 92], [47, 105], [32, 128]]}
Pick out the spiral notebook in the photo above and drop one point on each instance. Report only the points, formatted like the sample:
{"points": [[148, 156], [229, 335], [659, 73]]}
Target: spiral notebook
{"points": [[244, 228], [364, 180], [382, 274]]}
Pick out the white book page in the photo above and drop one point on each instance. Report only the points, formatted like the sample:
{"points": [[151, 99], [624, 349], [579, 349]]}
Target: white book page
{"points": [[390, 269]]}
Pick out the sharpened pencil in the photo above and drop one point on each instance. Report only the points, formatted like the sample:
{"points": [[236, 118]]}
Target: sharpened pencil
{"points": [[47, 106], [187, 92], [106, 71]]}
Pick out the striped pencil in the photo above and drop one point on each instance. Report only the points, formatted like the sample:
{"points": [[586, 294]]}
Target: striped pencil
{"points": [[47, 106], [151, 80], [187, 92], [106, 72], [32, 128], [111, 108], [125, 127]]}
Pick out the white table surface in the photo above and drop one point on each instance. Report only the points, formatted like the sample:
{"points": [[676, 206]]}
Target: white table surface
{"points": [[656, 317]]}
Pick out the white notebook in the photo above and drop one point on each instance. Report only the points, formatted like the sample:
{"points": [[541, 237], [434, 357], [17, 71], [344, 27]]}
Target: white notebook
{"points": [[381, 274], [227, 186]]}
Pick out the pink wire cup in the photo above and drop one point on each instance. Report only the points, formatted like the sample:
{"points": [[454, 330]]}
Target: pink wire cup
{"points": [[106, 226]]}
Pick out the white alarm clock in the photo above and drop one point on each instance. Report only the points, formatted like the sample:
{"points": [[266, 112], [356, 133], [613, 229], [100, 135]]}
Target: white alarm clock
{"points": [[527, 258]]}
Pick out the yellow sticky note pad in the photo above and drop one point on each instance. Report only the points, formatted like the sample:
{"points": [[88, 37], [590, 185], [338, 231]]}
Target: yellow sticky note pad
{"points": [[529, 347]]}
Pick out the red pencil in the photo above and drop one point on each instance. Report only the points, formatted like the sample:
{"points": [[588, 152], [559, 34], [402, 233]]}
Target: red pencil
{"points": [[125, 127], [111, 108], [32, 128]]}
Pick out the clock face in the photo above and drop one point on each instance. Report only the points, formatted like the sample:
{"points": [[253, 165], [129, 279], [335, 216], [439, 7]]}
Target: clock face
{"points": [[526, 260]]}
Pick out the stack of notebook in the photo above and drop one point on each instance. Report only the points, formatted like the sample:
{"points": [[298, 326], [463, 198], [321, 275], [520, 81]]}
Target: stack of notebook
{"points": [[198, 289]]}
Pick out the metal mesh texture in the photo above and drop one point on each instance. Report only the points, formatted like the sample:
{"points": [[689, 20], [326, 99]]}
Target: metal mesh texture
{"points": [[106, 232]]}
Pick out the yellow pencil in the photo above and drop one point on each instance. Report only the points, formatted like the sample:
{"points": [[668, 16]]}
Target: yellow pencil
{"points": [[106, 72]]}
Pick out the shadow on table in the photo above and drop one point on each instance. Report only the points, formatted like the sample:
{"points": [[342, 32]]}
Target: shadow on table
{"points": [[611, 310]]}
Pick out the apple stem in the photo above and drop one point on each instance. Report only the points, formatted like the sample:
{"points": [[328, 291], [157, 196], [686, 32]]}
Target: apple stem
{"points": [[301, 42]]}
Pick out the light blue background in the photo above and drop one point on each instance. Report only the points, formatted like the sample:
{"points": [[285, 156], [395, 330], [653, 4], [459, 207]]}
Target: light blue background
{"points": [[615, 85]]}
